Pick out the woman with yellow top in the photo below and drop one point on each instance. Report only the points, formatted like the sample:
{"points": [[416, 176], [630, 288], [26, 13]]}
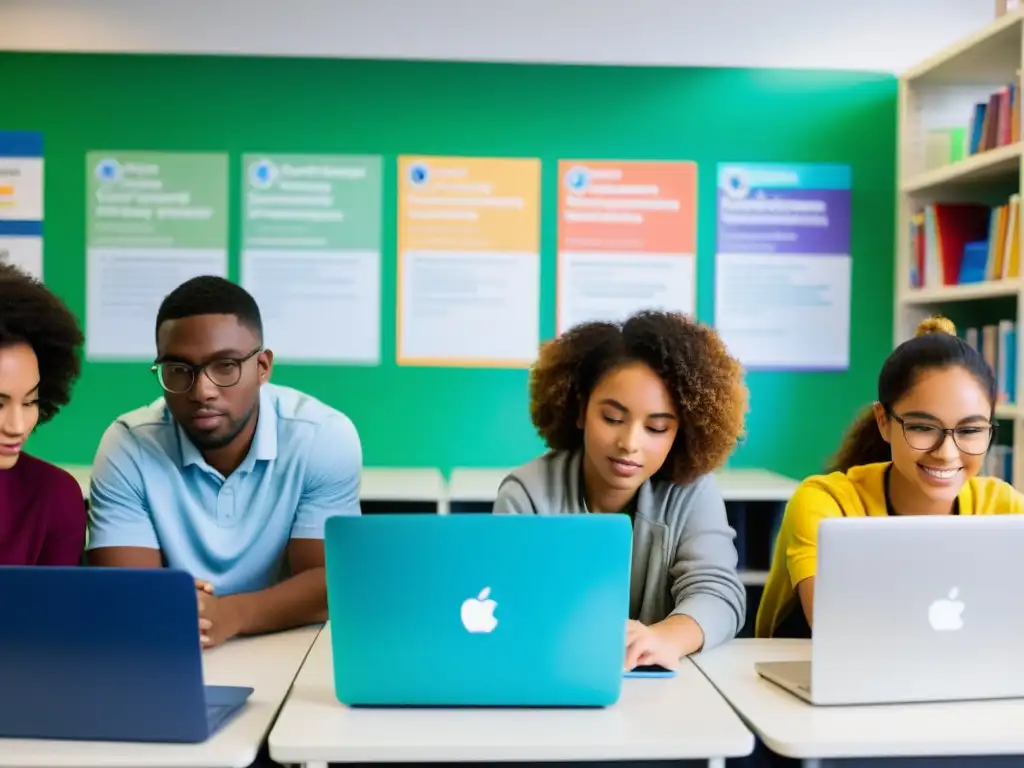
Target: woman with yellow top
{"points": [[916, 451]]}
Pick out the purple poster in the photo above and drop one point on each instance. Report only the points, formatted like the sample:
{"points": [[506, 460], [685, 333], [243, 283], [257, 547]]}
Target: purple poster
{"points": [[782, 267]]}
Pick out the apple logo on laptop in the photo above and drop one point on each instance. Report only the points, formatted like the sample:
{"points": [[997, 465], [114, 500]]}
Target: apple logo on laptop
{"points": [[946, 614], [478, 612]]}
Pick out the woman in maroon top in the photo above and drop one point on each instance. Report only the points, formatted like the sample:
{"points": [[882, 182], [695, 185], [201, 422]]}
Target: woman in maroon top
{"points": [[42, 513]]}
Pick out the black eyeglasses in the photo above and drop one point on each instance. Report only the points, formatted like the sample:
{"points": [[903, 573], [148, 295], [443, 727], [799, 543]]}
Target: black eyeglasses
{"points": [[972, 439], [178, 378]]}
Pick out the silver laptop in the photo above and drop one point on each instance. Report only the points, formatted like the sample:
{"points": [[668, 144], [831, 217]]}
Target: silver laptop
{"points": [[910, 609]]}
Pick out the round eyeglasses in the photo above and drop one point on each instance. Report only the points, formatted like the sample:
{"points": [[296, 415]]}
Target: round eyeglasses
{"points": [[178, 378], [972, 439]]}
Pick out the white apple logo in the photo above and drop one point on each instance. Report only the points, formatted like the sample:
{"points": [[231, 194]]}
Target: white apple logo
{"points": [[945, 615], [478, 612]]}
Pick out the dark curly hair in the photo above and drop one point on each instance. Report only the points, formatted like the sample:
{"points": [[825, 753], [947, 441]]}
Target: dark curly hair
{"points": [[705, 381], [31, 314]]}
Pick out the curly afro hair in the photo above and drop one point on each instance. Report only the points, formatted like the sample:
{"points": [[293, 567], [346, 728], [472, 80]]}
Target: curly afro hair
{"points": [[703, 379], [31, 314]]}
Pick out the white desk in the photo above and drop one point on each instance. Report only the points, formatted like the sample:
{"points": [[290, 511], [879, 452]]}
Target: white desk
{"points": [[267, 664], [403, 484], [475, 485], [754, 485], [481, 485], [674, 719], [793, 728]]}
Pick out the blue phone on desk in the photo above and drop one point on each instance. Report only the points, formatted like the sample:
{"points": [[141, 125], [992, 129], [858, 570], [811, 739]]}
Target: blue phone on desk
{"points": [[650, 670]]}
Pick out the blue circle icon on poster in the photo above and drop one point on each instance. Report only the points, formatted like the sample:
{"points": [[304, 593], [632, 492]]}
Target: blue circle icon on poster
{"points": [[735, 183], [577, 179], [262, 173], [108, 170], [418, 174]]}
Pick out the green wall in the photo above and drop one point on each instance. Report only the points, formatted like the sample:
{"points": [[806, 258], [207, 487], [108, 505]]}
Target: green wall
{"points": [[448, 417]]}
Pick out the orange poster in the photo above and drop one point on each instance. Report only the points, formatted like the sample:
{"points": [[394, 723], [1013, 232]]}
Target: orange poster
{"points": [[468, 261], [627, 239]]}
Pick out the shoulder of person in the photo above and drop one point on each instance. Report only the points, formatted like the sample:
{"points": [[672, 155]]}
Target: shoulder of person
{"points": [[851, 490], [147, 417], [543, 478], [296, 408], [54, 483], [993, 496]]}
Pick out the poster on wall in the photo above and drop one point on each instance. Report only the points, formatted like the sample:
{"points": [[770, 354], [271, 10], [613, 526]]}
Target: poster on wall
{"points": [[153, 220], [783, 263], [468, 261], [21, 201], [311, 242], [627, 236]]}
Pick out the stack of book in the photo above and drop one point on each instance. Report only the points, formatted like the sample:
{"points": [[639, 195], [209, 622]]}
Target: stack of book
{"points": [[960, 243], [995, 123], [998, 344]]}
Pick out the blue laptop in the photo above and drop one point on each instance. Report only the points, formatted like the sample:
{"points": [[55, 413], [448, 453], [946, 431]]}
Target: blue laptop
{"points": [[478, 610], [109, 654]]}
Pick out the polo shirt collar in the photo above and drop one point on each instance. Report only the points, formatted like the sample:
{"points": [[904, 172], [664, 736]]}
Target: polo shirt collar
{"points": [[264, 443]]}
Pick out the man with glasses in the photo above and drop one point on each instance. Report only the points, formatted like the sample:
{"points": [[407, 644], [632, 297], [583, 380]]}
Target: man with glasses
{"points": [[226, 476]]}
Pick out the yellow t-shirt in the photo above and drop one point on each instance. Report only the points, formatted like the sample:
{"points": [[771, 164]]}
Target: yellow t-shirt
{"points": [[859, 492]]}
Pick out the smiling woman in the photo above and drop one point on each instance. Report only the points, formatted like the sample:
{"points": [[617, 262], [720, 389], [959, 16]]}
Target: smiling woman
{"points": [[42, 514], [917, 450], [637, 416]]}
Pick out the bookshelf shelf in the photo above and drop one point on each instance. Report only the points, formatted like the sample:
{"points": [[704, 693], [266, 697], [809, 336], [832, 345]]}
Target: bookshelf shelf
{"points": [[1009, 411], [949, 293], [1002, 163], [960, 238], [977, 59]]}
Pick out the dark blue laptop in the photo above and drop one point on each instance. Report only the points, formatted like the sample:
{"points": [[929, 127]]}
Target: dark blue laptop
{"points": [[108, 654]]}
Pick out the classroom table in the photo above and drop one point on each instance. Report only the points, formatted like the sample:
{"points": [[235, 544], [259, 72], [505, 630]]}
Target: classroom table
{"points": [[932, 734], [268, 664], [675, 719], [751, 485], [404, 485], [481, 485]]}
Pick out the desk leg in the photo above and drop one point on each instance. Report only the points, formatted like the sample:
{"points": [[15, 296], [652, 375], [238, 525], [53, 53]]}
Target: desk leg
{"points": [[810, 762], [314, 765], [716, 762]]}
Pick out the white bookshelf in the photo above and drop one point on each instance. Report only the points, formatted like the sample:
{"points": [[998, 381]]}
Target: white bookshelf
{"points": [[938, 94]]}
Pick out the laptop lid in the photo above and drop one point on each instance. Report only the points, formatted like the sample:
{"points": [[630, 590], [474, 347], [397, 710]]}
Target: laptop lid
{"points": [[918, 608], [478, 610], [100, 654]]}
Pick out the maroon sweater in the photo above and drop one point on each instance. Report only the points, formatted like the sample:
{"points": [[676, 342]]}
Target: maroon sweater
{"points": [[42, 515]]}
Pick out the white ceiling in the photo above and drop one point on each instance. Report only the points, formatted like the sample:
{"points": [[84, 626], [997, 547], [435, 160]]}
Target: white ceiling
{"points": [[880, 35]]}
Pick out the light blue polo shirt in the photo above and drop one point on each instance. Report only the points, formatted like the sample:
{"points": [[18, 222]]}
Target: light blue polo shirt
{"points": [[152, 488]]}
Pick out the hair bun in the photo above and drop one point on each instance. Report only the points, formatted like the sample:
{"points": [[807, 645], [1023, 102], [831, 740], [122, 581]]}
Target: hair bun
{"points": [[936, 324]]}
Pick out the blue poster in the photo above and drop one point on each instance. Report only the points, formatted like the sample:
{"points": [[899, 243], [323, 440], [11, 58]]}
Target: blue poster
{"points": [[21, 200]]}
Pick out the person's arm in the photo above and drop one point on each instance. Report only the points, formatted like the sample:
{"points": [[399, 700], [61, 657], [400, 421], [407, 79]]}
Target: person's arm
{"points": [[121, 532], [710, 600], [331, 487], [65, 535], [512, 499], [808, 506]]}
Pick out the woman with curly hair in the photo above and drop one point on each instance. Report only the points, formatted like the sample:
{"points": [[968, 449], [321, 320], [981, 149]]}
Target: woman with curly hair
{"points": [[916, 451], [42, 512], [636, 416]]}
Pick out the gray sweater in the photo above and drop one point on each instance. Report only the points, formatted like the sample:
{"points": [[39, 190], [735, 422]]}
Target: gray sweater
{"points": [[684, 552]]}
